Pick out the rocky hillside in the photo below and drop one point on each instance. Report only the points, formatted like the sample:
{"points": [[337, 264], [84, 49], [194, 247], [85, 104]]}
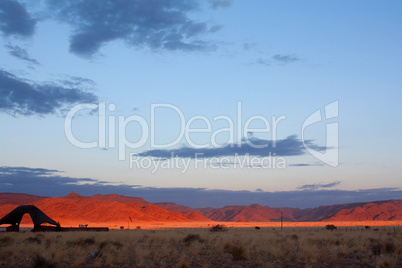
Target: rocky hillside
{"points": [[117, 208]]}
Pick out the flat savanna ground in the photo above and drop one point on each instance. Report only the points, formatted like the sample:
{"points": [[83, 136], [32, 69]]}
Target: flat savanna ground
{"points": [[199, 247], [208, 224]]}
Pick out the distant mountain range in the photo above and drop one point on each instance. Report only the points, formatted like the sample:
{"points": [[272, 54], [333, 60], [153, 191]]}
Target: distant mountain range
{"points": [[368, 211], [116, 208]]}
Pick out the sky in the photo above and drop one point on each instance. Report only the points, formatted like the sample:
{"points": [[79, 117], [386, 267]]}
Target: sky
{"points": [[202, 103]]}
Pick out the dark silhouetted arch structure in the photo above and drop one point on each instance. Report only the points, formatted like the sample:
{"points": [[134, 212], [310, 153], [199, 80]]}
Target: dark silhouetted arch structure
{"points": [[38, 217]]}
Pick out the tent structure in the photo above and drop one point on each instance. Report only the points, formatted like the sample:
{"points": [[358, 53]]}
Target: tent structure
{"points": [[38, 217]]}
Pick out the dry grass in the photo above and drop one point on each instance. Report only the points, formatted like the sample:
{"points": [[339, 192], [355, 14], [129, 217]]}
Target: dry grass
{"points": [[238, 247]]}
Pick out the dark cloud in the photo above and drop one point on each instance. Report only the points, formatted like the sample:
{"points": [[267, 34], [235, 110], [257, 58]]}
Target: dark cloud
{"points": [[45, 182], [21, 54], [291, 146], [39, 179], [15, 20], [23, 97], [6, 171], [318, 186], [157, 24]]}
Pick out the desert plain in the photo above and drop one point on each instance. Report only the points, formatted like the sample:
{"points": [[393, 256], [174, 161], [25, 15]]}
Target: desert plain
{"points": [[195, 245]]}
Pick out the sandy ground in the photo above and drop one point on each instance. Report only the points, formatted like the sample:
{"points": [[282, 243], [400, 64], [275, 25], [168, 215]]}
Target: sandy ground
{"points": [[208, 224]]}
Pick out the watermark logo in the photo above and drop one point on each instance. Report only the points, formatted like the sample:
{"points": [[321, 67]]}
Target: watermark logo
{"points": [[237, 132], [331, 154], [245, 146], [199, 161]]}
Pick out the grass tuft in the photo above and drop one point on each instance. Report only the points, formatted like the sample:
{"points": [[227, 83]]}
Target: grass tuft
{"points": [[238, 252], [33, 240], [192, 237], [5, 241], [40, 262]]}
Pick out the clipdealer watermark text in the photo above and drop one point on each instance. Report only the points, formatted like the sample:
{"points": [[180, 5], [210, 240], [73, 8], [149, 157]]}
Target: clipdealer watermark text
{"points": [[112, 133], [199, 161]]}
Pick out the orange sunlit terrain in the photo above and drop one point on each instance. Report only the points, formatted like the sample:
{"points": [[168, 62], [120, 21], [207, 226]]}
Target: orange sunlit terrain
{"points": [[117, 212]]}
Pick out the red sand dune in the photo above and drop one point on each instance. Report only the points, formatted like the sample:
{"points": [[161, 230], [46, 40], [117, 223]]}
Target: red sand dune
{"points": [[253, 212], [18, 199], [371, 211], [108, 210], [174, 207], [76, 209], [379, 213], [120, 198], [93, 209]]}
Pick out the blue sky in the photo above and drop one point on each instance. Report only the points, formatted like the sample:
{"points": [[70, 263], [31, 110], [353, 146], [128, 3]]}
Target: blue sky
{"points": [[208, 61]]}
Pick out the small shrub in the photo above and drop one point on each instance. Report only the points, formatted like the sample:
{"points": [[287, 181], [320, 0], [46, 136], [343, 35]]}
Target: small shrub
{"points": [[294, 237], [48, 242], [238, 252], [183, 264], [117, 244], [192, 237], [5, 241], [89, 241], [40, 262], [101, 247], [81, 242], [219, 228], [104, 244], [376, 249], [330, 227], [389, 247], [33, 240]]}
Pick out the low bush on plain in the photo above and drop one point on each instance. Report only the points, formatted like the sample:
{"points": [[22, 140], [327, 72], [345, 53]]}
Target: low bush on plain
{"points": [[238, 252], [192, 237], [219, 228]]}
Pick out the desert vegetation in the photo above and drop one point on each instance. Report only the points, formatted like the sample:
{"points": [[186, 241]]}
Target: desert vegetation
{"points": [[196, 247]]}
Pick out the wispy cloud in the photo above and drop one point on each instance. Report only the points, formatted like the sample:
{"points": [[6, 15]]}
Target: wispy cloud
{"points": [[318, 186], [220, 3], [39, 177], [21, 54], [306, 165], [263, 61], [45, 182], [249, 46], [291, 146], [15, 20], [77, 81], [280, 59], [285, 59], [23, 97]]}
